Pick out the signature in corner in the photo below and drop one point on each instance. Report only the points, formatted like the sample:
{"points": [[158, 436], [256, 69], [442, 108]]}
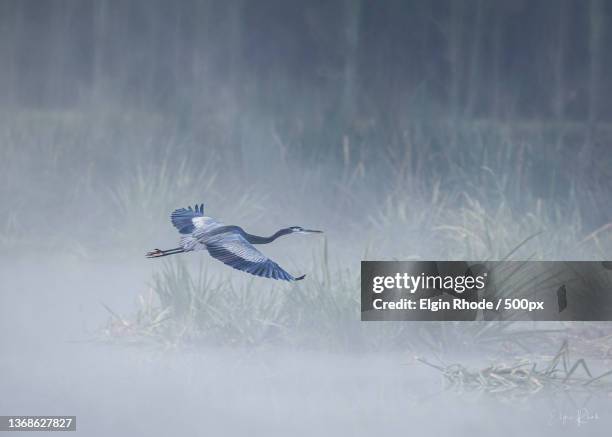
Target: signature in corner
{"points": [[580, 417]]}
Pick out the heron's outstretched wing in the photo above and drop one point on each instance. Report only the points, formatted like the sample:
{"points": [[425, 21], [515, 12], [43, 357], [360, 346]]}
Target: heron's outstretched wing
{"points": [[182, 218], [235, 251]]}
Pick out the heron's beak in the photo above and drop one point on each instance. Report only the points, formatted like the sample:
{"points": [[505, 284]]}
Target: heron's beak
{"points": [[311, 231]]}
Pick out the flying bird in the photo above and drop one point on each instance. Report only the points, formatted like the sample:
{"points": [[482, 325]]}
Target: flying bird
{"points": [[231, 245]]}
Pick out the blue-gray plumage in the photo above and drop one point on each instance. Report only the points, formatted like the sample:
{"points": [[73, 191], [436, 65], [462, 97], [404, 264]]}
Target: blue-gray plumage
{"points": [[229, 244]]}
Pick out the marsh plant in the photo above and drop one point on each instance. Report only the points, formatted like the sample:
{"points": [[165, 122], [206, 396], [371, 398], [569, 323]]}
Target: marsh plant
{"points": [[433, 190], [187, 306], [526, 377], [468, 190]]}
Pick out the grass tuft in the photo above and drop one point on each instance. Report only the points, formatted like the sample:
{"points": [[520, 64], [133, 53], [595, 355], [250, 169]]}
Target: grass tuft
{"points": [[526, 377]]}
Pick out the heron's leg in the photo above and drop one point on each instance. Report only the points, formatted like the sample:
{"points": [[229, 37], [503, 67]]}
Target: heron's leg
{"points": [[157, 253]]}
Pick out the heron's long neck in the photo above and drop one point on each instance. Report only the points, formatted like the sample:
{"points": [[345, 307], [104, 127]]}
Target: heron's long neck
{"points": [[256, 239]]}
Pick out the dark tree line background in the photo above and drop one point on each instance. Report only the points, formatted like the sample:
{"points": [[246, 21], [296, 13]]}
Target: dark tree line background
{"points": [[377, 93], [519, 59]]}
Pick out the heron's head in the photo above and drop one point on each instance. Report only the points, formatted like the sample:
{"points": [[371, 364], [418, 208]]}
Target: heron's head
{"points": [[301, 230]]}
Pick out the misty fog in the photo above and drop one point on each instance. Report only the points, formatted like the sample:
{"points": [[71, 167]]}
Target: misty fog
{"points": [[406, 130]]}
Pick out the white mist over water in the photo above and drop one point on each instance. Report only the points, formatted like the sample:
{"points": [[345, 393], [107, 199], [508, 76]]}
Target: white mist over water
{"points": [[49, 306]]}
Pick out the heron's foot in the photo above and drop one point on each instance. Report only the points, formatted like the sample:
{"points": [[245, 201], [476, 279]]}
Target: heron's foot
{"points": [[154, 253]]}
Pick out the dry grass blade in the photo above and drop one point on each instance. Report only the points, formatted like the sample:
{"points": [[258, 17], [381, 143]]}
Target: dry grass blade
{"points": [[523, 378]]}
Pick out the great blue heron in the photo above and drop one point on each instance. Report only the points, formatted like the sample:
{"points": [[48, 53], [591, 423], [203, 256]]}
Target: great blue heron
{"points": [[229, 244]]}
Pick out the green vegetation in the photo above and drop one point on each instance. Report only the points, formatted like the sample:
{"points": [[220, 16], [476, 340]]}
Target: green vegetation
{"points": [[407, 130], [100, 184]]}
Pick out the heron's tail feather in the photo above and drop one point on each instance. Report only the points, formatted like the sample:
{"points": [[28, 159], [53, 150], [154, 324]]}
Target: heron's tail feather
{"points": [[300, 278]]}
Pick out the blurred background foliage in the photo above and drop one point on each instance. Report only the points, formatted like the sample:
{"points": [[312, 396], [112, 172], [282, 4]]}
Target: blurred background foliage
{"points": [[395, 116]]}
